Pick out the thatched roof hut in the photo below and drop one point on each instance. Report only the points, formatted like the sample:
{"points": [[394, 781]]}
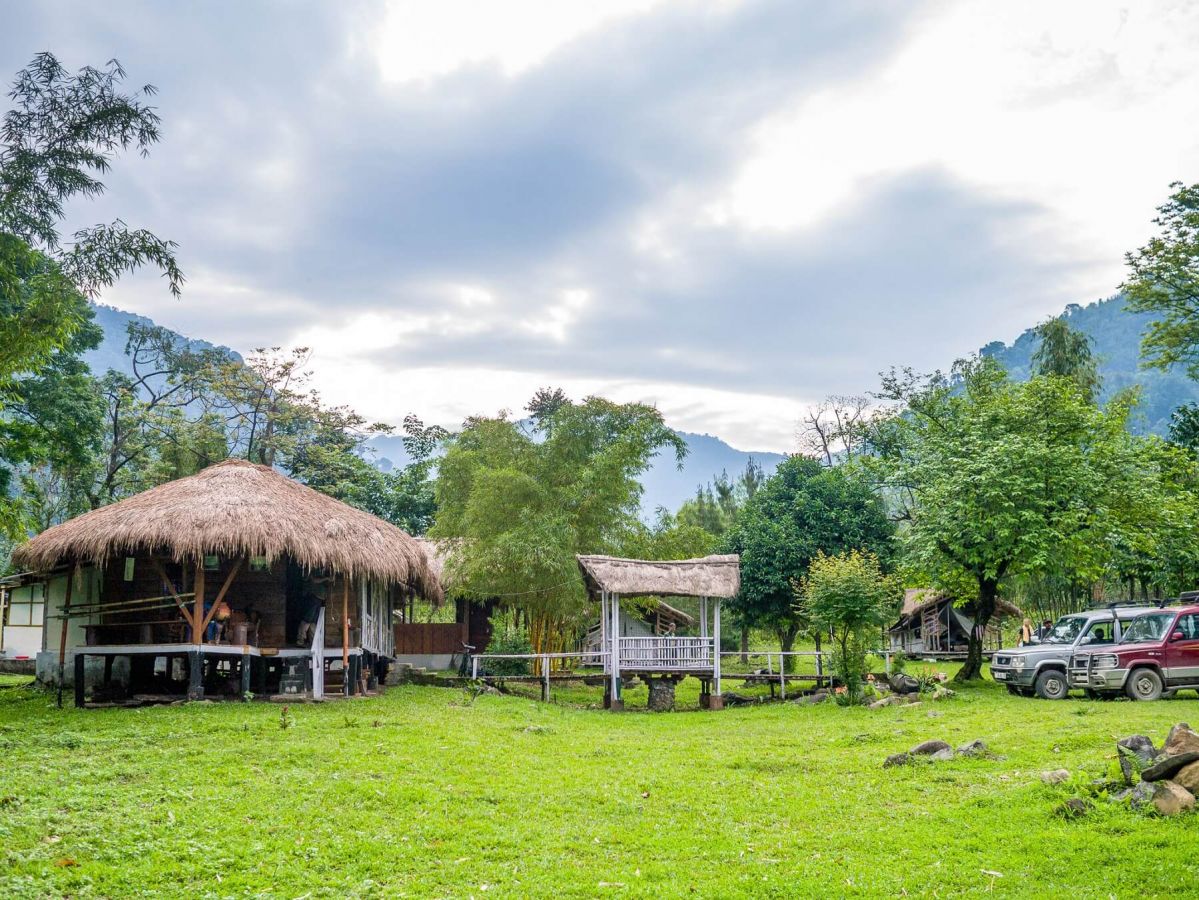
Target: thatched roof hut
{"points": [[237, 508], [708, 576]]}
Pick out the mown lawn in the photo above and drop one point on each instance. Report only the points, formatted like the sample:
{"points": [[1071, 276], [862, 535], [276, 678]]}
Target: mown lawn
{"points": [[426, 793]]}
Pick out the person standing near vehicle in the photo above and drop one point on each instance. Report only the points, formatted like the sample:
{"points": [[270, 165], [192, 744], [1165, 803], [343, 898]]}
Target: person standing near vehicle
{"points": [[1025, 633]]}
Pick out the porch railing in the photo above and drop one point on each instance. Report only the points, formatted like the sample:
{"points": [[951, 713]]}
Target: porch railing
{"points": [[666, 653]]}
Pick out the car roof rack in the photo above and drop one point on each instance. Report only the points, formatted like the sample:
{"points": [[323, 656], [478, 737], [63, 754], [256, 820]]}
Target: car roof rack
{"points": [[1122, 604]]}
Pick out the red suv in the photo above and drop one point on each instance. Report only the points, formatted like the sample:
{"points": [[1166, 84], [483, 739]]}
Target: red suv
{"points": [[1159, 654]]}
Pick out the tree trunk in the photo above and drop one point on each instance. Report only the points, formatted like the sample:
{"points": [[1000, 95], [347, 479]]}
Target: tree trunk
{"points": [[988, 591], [786, 637]]}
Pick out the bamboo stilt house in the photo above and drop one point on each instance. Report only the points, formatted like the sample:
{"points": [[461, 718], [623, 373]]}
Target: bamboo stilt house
{"points": [[231, 581]]}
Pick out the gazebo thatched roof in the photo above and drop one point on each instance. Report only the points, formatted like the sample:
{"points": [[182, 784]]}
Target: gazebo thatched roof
{"points": [[237, 508], [709, 576], [916, 600]]}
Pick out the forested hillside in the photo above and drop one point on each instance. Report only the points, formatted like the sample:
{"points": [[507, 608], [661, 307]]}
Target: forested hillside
{"points": [[1116, 340]]}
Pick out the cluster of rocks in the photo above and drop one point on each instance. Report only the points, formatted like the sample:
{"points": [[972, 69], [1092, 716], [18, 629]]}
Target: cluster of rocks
{"points": [[1169, 777], [904, 690], [936, 751]]}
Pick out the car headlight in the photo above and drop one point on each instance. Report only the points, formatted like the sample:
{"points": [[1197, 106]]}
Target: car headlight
{"points": [[1018, 663], [1107, 661]]}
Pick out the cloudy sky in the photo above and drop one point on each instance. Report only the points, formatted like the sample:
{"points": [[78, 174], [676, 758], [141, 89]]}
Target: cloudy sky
{"points": [[728, 208]]}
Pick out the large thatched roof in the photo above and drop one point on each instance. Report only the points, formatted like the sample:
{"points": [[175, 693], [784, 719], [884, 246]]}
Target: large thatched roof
{"points": [[237, 508], [709, 576]]}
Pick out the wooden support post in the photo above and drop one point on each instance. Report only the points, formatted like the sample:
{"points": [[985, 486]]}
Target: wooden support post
{"points": [[545, 679], [474, 667], [616, 704], [80, 680], [604, 629], [819, 668], [246, 668], [716, 646], [62, 636], [195, 668], [345, 635], [198, 604]]}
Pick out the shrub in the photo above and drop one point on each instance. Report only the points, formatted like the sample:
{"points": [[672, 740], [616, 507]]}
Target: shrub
{"points": [[848, 595], [512, 640]]}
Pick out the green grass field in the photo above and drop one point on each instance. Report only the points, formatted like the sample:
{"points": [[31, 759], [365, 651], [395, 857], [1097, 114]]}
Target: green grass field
{"points": [[426, 793]]}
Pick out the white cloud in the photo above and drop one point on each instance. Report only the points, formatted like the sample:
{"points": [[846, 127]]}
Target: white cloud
{"points": [[1083, 107], [419, 40]]}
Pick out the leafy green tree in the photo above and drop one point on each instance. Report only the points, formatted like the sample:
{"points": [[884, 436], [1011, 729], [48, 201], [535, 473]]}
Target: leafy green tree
{"points": [[60, 137], [1066, 352], [848, 596], [995, 479], [520, 503], [804, 509], [1163, 278]]}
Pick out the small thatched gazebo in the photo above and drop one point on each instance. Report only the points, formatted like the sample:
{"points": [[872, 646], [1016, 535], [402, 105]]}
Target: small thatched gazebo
{"points": [[233, 561], [666, 658], [932, 624]]}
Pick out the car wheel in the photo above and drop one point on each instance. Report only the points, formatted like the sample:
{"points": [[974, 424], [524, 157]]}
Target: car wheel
{"points": [[1144, 684], [1052, 685]]}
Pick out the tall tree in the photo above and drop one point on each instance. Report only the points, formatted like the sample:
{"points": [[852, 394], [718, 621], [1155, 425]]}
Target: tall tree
{"points": [[802, 510], [519, 504], [832, 430], [62, 133], [1066, 353], [60, 137], [1163, 278], [996, 479], [716, 504]]}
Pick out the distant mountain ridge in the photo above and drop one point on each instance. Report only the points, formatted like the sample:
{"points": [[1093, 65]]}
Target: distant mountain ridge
{"points": [[115, 324], [665, 484], [1115, 335]]}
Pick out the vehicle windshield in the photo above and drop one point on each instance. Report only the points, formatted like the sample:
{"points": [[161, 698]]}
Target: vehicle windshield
{"points": [[1065, 631], [1150, 627]]}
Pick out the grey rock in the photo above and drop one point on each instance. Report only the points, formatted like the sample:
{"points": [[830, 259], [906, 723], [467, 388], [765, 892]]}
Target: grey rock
{"points": [[1121, 796], [943, 693], [1166, 766], [1055, 776], [897, 759], [942, 755], [811, 699], [661, 695], [1142, 794], [1135, 753], [904, 684], [975, 748], [928, 748], [1074, 808]]}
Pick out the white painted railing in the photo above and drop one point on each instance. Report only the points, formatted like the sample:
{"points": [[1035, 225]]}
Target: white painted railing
{"points": [[667, 653]]}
